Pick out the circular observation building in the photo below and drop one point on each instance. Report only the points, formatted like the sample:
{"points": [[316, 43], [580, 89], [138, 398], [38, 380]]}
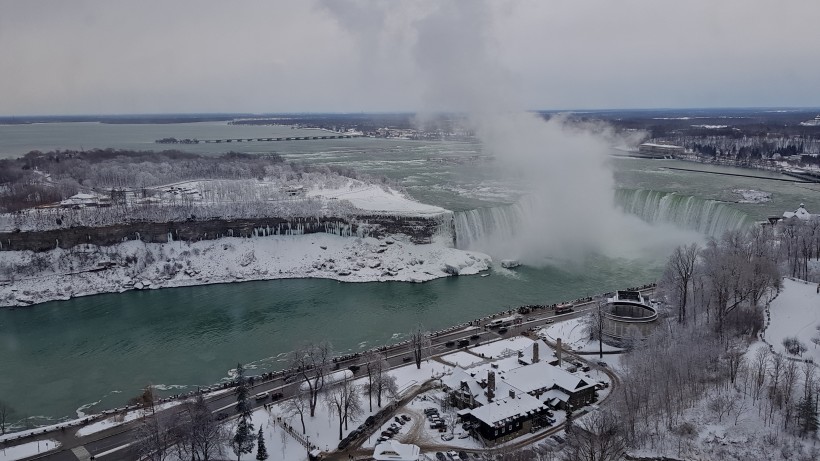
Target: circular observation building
{"points": [[627, 315]]}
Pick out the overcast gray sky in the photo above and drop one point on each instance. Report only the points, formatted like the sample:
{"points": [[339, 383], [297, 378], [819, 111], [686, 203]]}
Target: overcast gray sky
{"points": [[116, 56]]}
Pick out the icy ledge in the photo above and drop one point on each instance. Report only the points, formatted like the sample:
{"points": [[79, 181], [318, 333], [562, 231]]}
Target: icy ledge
{"points": [[92, 270]]}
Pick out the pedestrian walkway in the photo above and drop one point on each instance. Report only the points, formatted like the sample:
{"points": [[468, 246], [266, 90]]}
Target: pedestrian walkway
{"points": [[81, 453]]}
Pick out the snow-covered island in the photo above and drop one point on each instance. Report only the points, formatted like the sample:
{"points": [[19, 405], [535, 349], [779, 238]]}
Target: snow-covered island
{"points": [[195, 232]]}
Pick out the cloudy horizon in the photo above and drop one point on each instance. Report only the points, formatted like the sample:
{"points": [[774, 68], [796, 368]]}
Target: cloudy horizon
{"points": [[118, 57]]}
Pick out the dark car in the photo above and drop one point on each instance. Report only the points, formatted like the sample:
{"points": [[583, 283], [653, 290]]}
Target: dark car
{"points": [[502, 330], [406, 359], [276, 396], [440, 456], [405, 417], [463, 455], [601, 363], [463, 343], [475, 337], [353, 368], [450, 343]]}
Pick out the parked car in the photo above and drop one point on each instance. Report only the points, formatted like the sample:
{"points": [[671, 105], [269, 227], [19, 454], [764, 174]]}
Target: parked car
{"points": [[405, 417], [463, 455], [447, 437], [262, 396], [602, 363], [453, 455], [450, 343], [464, 343], [464, 435], [440, 456], [427, 411], [277, 396], [502, 330]]}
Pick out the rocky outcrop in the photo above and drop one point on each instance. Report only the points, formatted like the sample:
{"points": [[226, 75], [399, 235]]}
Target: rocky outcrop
{"points": [[419, 230]]}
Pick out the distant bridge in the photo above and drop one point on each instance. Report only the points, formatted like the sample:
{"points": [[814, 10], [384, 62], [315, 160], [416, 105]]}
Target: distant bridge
{"points": [[283, 138]]}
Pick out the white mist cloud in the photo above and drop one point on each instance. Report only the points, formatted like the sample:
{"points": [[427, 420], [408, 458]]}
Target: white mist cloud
{"points": [[569, 211]]}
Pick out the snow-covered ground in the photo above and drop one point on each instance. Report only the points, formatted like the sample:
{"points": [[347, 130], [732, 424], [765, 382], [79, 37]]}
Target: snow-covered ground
{"points": [[753, 196], [573, 335], [795, 312], [462, 359], [116, 420], [158, 265], [375, 198], [28, 449], [323, 428]]}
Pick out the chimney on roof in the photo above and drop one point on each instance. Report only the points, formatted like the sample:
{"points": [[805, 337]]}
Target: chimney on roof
{"points": [[512, 393], [490, 386], [535, 352], [558, 350]]}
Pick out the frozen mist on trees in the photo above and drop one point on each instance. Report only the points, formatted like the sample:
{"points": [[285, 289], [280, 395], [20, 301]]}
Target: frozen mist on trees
{"points": [[567, 211]]}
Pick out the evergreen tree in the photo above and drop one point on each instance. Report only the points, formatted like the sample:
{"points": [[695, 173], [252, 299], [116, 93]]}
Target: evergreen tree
{"points": [[568, 423], [807, 415], [261, 451], [244, 437]]}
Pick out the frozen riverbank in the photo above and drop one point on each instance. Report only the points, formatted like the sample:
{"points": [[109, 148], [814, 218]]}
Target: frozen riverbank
{"points": [[87, 269]]}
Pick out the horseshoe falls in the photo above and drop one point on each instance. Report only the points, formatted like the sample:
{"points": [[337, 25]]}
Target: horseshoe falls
{"points": [[709, 217]]}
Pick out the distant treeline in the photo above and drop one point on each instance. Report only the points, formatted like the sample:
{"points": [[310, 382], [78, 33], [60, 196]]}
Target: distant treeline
{"points": [[40, 178]]}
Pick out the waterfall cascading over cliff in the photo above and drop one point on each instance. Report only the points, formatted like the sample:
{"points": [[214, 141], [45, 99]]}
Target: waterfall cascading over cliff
{"points": [[495, 228], [476, 229], [709, 217]]}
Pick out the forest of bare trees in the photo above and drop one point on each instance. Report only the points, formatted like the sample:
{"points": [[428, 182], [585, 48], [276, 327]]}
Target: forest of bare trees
{"points": [[706, 360], [41, 178]]}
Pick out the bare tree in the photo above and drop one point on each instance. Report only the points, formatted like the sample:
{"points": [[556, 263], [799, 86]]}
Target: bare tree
{"points": [[735, 357], [312, 362], [5, 411], [154, 438], [372, 362], [760, 367], [680, 270], [595, 324], [146, 400], [199, 435], [342, 398], [299, 404], [599, 437], [420, 344]]}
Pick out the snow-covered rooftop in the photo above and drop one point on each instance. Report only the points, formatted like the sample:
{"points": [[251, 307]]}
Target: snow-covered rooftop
{"points": [[498, 411], [542, 375], [801, 213]]}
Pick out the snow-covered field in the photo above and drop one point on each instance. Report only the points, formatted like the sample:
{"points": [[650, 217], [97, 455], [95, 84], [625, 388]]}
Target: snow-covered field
{"points": [[28, 449], [795, 312], [174, 264], [377, 199]]}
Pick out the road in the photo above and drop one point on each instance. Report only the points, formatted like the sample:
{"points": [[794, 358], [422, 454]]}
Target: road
{"points": [[114, 443]]}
